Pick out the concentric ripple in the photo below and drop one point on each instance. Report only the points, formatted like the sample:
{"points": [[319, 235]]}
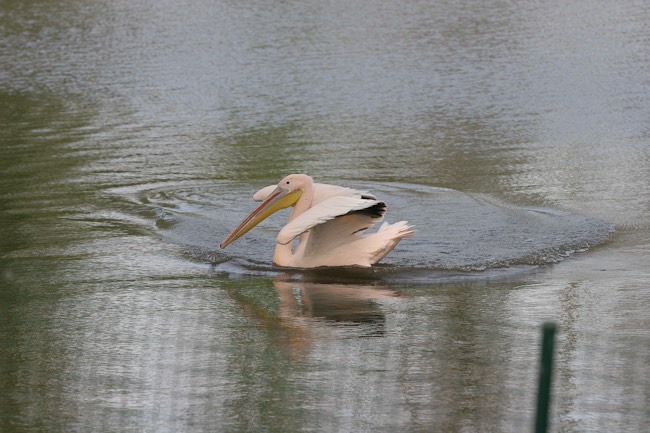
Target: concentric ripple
{"points": [[456, 232]]}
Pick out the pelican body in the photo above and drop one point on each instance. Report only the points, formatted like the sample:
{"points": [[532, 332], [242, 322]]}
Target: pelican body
{"points": [[330, 222]]}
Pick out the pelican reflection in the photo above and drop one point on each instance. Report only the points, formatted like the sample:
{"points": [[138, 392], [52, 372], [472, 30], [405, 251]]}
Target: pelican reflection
{"points": [[341, 303]]}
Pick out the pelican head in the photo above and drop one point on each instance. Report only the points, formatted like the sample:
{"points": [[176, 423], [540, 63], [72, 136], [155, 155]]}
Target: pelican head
{"points": [[287, 193]]}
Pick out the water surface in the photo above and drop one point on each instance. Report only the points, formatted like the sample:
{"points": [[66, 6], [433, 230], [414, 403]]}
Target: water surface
{"points": [[512, 135]]}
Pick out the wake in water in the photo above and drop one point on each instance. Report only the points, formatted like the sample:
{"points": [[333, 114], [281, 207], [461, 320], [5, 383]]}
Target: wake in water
{"points": [[456, 232]]}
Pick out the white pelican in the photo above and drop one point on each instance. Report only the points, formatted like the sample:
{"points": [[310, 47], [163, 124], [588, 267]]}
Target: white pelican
{"points": [[330, 220]]}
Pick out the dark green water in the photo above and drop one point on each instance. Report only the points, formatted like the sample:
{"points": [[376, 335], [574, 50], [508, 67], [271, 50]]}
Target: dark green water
{"points": [[514, 136]]}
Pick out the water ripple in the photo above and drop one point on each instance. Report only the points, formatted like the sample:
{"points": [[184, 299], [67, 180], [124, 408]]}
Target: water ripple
{"points": [[455, 231]]}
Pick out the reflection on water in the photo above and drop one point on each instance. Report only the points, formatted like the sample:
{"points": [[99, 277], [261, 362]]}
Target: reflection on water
{"points": [[512, 134], [344, 303], [305, 309]]}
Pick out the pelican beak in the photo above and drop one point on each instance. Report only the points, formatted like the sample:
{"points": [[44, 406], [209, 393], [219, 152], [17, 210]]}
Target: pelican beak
{"points": [[279, 199]]}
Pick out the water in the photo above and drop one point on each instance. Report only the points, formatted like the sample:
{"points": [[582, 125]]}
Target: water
{"points": [[512, 135]]}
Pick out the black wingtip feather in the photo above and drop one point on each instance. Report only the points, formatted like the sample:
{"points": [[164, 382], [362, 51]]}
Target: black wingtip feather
{"points": [[375, 211]]}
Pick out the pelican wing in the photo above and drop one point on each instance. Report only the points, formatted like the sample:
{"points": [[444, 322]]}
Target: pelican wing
{"points": [[329, 209], [322, 191], [343, 241]]}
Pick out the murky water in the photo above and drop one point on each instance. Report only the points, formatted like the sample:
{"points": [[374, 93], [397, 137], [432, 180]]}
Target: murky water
{"points": [[514, 136]]}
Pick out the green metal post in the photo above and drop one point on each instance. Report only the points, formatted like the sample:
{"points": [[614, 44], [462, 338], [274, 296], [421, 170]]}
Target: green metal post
{"points": [[545, 376]]}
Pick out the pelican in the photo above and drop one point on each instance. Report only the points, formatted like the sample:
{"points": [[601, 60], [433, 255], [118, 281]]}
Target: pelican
{"points": [[330, 222]]}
